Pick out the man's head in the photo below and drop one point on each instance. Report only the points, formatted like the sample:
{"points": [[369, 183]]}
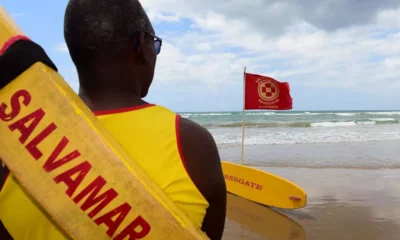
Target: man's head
{"points": [[114, 37]]}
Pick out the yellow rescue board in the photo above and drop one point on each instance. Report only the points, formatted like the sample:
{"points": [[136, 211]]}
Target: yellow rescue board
{"points": [[263, 187], [61, 154], [262, 220]]}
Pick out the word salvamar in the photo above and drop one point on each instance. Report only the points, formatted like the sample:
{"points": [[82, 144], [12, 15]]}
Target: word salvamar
{"points": [[112, 219]]}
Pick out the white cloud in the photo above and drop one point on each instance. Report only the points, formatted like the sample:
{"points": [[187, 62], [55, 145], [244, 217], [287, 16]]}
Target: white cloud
{"points": [[156, 17], [389, 18], [62, 47], [16, 14], [204, 46]]}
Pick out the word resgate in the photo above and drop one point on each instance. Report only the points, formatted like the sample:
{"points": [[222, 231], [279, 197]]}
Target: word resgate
{"points": [[74, 176]]}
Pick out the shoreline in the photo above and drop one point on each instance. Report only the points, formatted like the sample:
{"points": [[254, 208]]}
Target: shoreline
{"points": [[350, 155]]}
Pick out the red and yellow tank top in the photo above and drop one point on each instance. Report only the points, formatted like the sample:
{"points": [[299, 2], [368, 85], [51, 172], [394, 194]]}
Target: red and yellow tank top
{"points": [[150, 134]]}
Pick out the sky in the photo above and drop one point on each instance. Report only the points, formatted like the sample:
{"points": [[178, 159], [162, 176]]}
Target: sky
{"points": [[335, 54]]}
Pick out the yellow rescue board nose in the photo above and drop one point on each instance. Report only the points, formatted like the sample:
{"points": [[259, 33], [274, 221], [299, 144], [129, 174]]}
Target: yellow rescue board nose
{"points": [[263, 187]]}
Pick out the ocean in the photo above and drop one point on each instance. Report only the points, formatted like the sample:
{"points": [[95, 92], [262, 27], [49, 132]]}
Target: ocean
{"points": [[299, 127]]}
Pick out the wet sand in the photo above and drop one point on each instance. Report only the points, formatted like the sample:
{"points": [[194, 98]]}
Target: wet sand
{"points": [[344, 201], [351, 155]]}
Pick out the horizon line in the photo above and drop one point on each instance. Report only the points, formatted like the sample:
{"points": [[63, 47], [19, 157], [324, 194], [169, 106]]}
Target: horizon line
{"points": [[329, 110]]}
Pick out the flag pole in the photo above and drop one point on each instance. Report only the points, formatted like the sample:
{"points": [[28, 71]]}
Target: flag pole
{"points": [[243, 113]]}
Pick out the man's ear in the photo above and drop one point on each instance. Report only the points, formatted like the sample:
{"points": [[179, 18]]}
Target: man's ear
{"points": [[141, 49]]}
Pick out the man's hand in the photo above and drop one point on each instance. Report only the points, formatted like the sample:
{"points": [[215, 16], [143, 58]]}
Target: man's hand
{"points": [[204, 166]]}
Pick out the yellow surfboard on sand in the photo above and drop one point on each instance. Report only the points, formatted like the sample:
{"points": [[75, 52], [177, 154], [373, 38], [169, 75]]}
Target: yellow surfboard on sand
{"points": [[261, 220], [80, 175], [262, 187]]}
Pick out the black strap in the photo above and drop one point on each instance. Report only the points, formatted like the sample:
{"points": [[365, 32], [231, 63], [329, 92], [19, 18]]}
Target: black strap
{"points": [[19, 57], [4, 235], [3, 174]]}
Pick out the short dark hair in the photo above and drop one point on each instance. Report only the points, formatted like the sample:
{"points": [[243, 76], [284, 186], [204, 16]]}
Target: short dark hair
{"points": [[95, 28]]}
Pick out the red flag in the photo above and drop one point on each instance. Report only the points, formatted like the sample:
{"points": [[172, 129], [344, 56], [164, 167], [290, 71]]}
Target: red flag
{"points": [[266, 93]]}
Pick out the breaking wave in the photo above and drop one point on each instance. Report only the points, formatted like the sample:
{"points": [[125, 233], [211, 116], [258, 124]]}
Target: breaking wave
{"points": [[373, 121]]}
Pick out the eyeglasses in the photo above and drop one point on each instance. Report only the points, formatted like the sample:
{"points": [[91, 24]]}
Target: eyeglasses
{"points": [[157, 42]]}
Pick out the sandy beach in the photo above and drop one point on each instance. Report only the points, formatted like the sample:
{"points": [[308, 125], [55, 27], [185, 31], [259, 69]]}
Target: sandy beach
{"points": [[353, 192]]}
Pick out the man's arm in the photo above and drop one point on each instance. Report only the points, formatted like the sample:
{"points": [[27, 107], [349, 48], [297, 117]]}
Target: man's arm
{"points": [[204, 166]]}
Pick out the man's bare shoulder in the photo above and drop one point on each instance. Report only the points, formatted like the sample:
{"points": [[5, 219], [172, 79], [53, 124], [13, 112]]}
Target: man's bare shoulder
{"points": [[199, 148], [194, 133]]}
